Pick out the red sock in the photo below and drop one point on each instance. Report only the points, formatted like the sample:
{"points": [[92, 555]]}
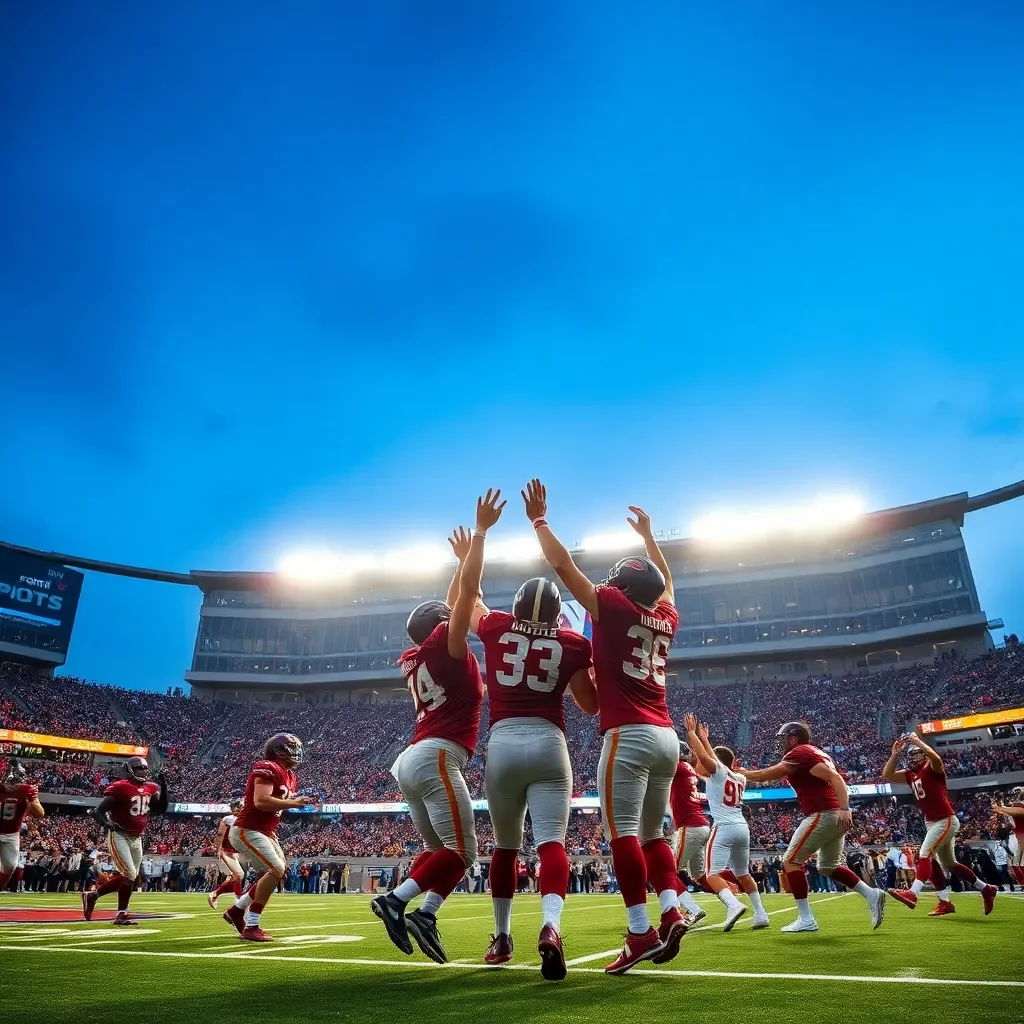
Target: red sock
{"points": [[503, 874], [661, 865], [236, 888], [5, 877], [110, 885], [441, 873], [797, 883], [251, 892], [939, 879], [630, 870], [923, 871], [1018, 873], [702, 883], [728, 876], [553, 874], [230, 884], [419, 860], [257, 908], [124, 894], [844, 876], [965, 874]]}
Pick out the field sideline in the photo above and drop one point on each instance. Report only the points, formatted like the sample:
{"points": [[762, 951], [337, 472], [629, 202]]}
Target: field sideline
{"points": [[332, 961]]}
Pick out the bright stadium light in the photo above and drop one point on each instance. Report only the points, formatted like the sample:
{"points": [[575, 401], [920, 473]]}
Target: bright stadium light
{"points": [[615, 540], [513, 549], [323, 566], [418, 558], [819, 517]]}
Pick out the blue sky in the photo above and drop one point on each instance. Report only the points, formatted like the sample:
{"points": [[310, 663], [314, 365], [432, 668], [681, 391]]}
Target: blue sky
{"points": [[276, 278]]}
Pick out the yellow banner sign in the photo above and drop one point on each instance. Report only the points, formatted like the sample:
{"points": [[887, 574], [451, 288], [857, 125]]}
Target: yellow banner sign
{"points": [[973, 721], [67, 743]]}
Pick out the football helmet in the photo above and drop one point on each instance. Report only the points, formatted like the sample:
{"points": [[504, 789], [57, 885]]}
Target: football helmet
{"points": [[915, 757], [1017, 794], [685, 753], [538, 600], [799, 732], [638, 578], [285, 748], [425, 618], [136, 769], [16, 774]]}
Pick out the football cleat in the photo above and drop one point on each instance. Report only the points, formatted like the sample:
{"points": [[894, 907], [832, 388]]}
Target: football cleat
{"points": [[212, 900], [122, 918], [423, 928], [944, 908], [500, 950], [552, 955], [235, 917], [877, 906], [635, 949], [732, 916], [254, 933], [692, 919], [392, 912], [800, 925], [988, 896], [671, 932], [760, 921], [905, 896], [88, 904]]}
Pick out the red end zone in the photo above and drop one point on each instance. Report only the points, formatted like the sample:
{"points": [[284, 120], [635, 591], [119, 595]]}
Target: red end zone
{"points": [[64, 915]]}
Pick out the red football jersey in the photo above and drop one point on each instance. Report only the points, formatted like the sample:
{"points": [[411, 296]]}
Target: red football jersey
{"points": [[930, 792], [528, 668], [812, 793], [448, 692], [285, 785], [687, 811], [630, 649], [131, 804], [1017, 824], [14, 806]]}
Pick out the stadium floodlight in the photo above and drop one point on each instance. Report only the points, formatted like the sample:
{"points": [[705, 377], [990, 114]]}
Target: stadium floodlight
{"points": [[323, 566], [615, 540], [819, 517], [419, 558], [523, 548]]}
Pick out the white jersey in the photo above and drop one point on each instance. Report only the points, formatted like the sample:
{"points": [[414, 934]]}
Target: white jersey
{"points": [[228, 820], [725, 796]]}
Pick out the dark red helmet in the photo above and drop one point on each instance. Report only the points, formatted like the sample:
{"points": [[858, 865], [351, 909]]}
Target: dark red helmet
{"points": [[136, 769], [425, 618], [792, 734], [638, 578], [284, 747], [538, 600]]}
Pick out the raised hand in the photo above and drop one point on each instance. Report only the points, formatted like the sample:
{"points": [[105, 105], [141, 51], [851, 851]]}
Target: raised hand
{"points": [[535, 498], [702, 732], [898, 744], [690, 722], [643, 521], [488, 511], [460, 540]]}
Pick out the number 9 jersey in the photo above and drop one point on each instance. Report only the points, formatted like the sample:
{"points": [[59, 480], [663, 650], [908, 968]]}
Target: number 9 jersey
{"points": [[631, 645], [448, 692], [529, 666]]}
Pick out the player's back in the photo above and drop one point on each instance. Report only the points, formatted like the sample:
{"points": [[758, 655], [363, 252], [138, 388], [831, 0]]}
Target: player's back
{"points": [[687, 811], [631, 646], [130, 807], [14, 803], [814, 794], [931, 792], [529, 667], [284, 785], [448, 692], [725, 796]]}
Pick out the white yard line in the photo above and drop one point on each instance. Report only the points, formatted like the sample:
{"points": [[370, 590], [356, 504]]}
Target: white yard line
{"points": [[430, 965]]}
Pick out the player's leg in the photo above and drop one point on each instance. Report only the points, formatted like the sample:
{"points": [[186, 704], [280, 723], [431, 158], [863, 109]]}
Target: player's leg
{"points": [[265, 854], [694, 844], [740, 866], [660, 864], [506, 802], [801, 848], [934, 840], [830, 840], [945, 854], [717, 861], [232, 880], [9, 848]]}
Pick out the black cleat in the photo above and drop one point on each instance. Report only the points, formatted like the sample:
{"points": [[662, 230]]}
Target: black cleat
{"points": [[423, 927], [392, 912]]}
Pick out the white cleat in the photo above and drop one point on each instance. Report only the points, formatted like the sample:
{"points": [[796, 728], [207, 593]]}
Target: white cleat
{"points": [[877, 906], [733, 916], [692, 919], [760, 921], [212, 900], [800, 925]]}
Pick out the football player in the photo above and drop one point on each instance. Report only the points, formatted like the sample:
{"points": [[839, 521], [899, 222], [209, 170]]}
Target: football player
{"points": [[124, 812], [825, 803], [18, 797], [227, 855], [691, 830], [269, 791], [530, 662], [925, 774], [1014, 810], [443, 676], [634, 620], [728, 846]]}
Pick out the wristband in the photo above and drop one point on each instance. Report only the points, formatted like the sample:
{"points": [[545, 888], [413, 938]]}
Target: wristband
{"points": [[539, 522], [479, 533]]}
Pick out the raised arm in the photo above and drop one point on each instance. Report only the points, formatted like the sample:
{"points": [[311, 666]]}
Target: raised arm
{"points": [[890, 772], [706, 759], [654, 553], [158, 805], [838, 784], [934, 758], [535, 498], [1010, 810], [460, 541], [488, 512]]}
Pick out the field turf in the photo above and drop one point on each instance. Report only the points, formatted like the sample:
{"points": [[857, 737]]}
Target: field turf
{"points": [[333, 962]]}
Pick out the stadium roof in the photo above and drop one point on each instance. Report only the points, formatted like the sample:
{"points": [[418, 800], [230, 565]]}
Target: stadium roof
{"points": [[953, 507]]}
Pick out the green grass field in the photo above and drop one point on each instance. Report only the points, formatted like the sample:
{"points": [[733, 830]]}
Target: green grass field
{"points": [[333, 962]]}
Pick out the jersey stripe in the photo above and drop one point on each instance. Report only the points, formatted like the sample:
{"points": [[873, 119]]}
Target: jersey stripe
{"points": [[442, 767], [938, 842], [609, 772], [806, 836], [252, 849]]}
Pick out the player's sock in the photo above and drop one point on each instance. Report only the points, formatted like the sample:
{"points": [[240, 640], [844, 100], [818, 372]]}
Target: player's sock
{"points": [[661, 872], [243, 901], [112, 884], [689, 903], [553, 873], [922, 872], [728, 897], [407, 890], [502, 915], [702, 882], [803, 905], [432, 903], [441, 873], [252, 915], [798, 884], [237, 889], [917, 886], [503, 886], [551, 906], [631, 872], [755, 902], [844, 876], [227, 886], [124, 895]]}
